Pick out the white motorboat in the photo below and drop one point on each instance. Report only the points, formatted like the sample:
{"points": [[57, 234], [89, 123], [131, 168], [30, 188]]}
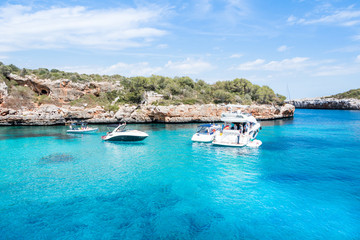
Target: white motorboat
{"points": [[206, 133], [81, 127], [240, 129], [120, 133]]}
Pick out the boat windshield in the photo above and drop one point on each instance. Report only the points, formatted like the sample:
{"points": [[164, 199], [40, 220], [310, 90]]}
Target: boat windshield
{"points": [[202, 129], [121, 128], [78, 126]]}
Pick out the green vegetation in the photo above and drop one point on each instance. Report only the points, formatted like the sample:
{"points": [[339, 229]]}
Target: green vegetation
{"points": [[178, 90], [44, 99], [353, 93]]}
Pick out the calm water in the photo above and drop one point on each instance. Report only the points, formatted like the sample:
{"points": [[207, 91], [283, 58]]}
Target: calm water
{"points": [[302, 183]]}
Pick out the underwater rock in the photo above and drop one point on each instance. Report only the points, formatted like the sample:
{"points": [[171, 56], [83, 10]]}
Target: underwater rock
{"points": [[57, 158]]}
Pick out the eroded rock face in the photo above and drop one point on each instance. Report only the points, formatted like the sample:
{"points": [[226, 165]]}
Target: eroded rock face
{"points": [[3, 91], [327, 103], [49, 114], [64, 90]]}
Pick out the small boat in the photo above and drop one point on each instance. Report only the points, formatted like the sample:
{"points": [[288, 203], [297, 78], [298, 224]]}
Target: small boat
{"points": [[240, 130], [206, 133], [81, 127], [120, 133]]}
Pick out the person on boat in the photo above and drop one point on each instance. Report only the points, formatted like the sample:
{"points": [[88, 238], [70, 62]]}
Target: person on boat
{"points": [[246, 127], [241, 128]]}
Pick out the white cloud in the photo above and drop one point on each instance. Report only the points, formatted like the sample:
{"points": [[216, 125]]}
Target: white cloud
{"points": [[236, 56], [203, 7], [182, 68], [356, 38], [291, 19], [295, 63], [188, 66], [345, 17], [136, 69], [162, 46], [336, 70], [283, 48], [237, 7], [22, 28], [250, 65], [357, 59]]}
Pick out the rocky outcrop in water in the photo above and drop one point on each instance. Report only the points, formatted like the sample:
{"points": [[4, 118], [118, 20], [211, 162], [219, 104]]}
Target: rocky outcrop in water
{"points": [[49, 114], [327, 103]]}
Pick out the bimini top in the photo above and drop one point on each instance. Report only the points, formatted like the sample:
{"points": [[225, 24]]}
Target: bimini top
{"points": [[237, 117]]}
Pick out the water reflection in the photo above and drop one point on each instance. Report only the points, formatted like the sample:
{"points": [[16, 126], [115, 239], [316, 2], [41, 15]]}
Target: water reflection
{"points": [[233, 151], [237, 151]]}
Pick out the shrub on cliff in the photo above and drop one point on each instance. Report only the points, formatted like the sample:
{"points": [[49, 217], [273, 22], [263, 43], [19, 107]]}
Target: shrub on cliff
{"points": [[175, 90], [113, 108], [353, 93], [44, 99], [221, 96]]}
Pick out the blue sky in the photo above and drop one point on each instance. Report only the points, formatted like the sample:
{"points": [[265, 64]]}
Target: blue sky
{"points": [[311, 47]]}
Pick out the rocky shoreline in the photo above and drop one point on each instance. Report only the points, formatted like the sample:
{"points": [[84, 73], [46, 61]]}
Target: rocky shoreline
{"points": [[49, 114], [63, 92], [327, 103]]}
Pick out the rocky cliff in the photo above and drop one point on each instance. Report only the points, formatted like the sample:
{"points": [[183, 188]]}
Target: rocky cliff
{"points": [[17, 106], [48, 114], [327, 103], [62, 90]]}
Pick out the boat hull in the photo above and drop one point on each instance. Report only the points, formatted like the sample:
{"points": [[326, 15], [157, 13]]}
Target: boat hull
{"points": [[83, 131], [239, 145], [126, 138], [202, 138]]}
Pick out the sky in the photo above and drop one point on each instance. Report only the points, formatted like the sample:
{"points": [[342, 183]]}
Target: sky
{"points": [[299, 48]]}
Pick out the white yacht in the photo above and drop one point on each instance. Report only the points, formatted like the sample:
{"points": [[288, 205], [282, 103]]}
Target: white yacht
{"points": [[81, 127], [120, 133], [206, 133], [240, 129]]}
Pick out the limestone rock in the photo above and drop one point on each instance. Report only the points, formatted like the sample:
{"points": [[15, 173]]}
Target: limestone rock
{"points": [[49, 114], [327, 103], [3, 91], [64, 90]]}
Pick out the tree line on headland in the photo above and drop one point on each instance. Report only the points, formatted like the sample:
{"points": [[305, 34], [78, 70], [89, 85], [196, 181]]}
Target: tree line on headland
{"points": [[353, 93], [177, 90]]}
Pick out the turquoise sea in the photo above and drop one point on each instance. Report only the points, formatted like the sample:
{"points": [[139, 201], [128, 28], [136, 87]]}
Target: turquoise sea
{"points": [[302, 183]]}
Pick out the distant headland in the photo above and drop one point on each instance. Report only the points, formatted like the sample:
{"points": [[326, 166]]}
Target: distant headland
{"points": [[47, 97], [349, 100]]}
